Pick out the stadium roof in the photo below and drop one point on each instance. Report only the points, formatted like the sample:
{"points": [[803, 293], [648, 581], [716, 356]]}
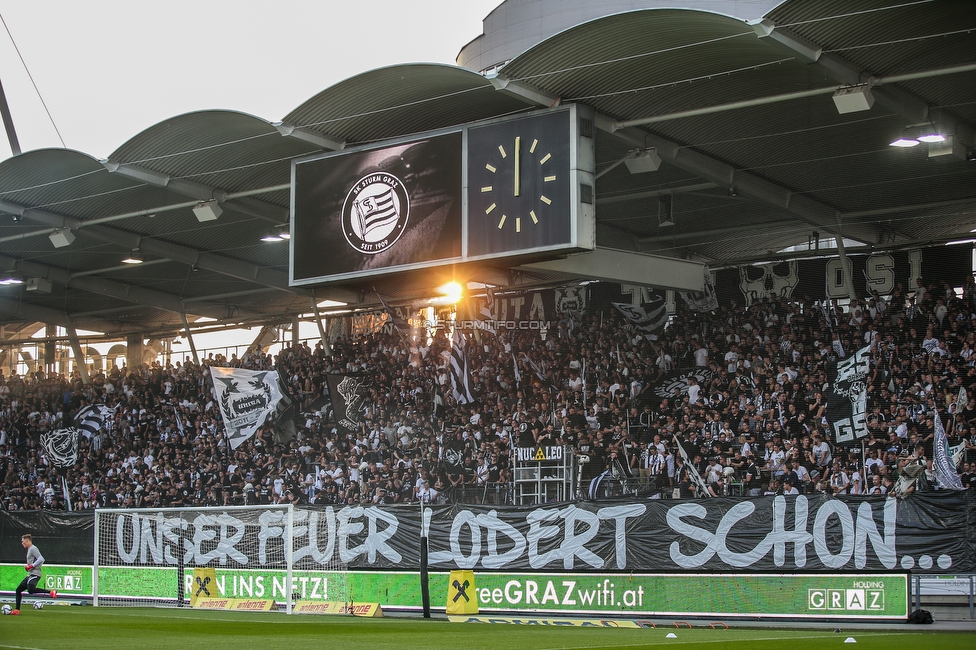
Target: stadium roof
{"points": [[755, 156]]}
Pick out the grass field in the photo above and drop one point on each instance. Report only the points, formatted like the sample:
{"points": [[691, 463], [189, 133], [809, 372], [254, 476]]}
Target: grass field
{"points": [[160, 629]]}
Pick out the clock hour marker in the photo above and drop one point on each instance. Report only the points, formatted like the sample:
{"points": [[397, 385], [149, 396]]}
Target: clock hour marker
{"points": [[501, 150], [518, 224], [487, 188], [501, 222], [545, 159], [535, 219], [490, 208], [490, 168], [545, 199], [549, 179], [532, 148]]}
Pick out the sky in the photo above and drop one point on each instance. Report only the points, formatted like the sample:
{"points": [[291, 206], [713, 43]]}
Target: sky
{"points": [[109, 69]]}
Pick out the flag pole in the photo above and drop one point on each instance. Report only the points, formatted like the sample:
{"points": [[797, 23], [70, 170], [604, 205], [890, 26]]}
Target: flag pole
{"points": [[67, 494], [424, 576]]}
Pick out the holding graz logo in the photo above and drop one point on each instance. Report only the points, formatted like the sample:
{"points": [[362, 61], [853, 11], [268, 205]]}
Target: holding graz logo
{"points": [[375, 213]]}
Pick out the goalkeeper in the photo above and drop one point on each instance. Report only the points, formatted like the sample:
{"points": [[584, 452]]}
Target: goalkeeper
{"points": [[34, 562]]}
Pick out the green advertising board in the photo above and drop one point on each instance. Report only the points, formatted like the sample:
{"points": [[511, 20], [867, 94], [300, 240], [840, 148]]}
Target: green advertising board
{"points": [[812, 595], [872, 596], [65, 579]]}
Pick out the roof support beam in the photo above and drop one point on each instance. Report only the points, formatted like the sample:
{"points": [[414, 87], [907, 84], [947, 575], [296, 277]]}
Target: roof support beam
{"points": [[200, 192], [18, 310], [113, 289], [746, 183], [307, 135], [701, 234], [176, 252], [894, 98], [526, 92], [650, 194], [628, 268], [711, 169]]}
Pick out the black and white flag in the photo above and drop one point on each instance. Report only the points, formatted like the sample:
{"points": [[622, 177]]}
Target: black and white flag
{"points": [[847, 401], [248, 399], [701, 489], [945, 471], [91, 419], [540, 375], [702, 301], [485, 316], [60, 447], [400, 324], [460, 372], [350, 397], [648, 317]]}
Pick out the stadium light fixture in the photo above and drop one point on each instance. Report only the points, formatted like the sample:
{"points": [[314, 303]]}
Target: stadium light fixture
{"points": [[11, 277], [278, 233], [929, 133], [133, 258], [665, 211], [904, 142], [917, 133]]}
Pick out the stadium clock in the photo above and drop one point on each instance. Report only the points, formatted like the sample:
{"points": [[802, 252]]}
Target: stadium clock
{"points": [[519, 185]]}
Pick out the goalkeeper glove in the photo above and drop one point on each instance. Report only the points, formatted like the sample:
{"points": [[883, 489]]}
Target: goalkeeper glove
{"points": [[28, 567]]}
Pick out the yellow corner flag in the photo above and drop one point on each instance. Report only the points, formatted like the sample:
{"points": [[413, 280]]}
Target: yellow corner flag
{"points": [[204, 585], [461, 596]]}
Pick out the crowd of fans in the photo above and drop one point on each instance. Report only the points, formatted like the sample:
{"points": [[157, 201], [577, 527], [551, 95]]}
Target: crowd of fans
{"points": [[755, 424]]}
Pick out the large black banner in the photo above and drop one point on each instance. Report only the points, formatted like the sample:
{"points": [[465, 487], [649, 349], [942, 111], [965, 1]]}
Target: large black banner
{"points": [[63, 537], [349, 394], [931, 532], [824, 278]]}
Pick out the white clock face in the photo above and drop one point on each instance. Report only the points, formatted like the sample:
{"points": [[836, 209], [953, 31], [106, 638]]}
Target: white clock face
{"points": [[520, 170], [518, 184]]}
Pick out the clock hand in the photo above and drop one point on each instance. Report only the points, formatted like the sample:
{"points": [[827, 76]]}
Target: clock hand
{"points": [[518, 149]]}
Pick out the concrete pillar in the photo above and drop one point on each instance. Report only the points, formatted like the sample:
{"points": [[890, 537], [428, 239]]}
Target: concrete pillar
{"points": [[133, 351]]}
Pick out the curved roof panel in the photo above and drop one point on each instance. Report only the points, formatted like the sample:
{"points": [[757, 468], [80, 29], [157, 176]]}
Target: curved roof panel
{"points": [[743, 181], [399, 100]]}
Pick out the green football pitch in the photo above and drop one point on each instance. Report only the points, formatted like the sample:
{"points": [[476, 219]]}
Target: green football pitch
{"points": [[158, 629]]}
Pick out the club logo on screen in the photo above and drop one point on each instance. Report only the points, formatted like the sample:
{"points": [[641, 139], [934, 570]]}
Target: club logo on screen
{"points": [[375, 213]]}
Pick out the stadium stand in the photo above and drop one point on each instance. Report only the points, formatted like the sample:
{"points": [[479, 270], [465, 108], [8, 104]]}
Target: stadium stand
{"points": [[757, 427]]}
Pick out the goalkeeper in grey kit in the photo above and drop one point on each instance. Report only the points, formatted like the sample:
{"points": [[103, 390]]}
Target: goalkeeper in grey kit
{"points": [[34, 562]]}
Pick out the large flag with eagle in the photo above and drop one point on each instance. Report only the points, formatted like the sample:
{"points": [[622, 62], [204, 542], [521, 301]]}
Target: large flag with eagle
{"points": [[247, 399]]}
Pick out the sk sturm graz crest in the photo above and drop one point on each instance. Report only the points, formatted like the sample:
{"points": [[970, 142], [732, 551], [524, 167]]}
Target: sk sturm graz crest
{"points": [[61, 446], [375, 213]]}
